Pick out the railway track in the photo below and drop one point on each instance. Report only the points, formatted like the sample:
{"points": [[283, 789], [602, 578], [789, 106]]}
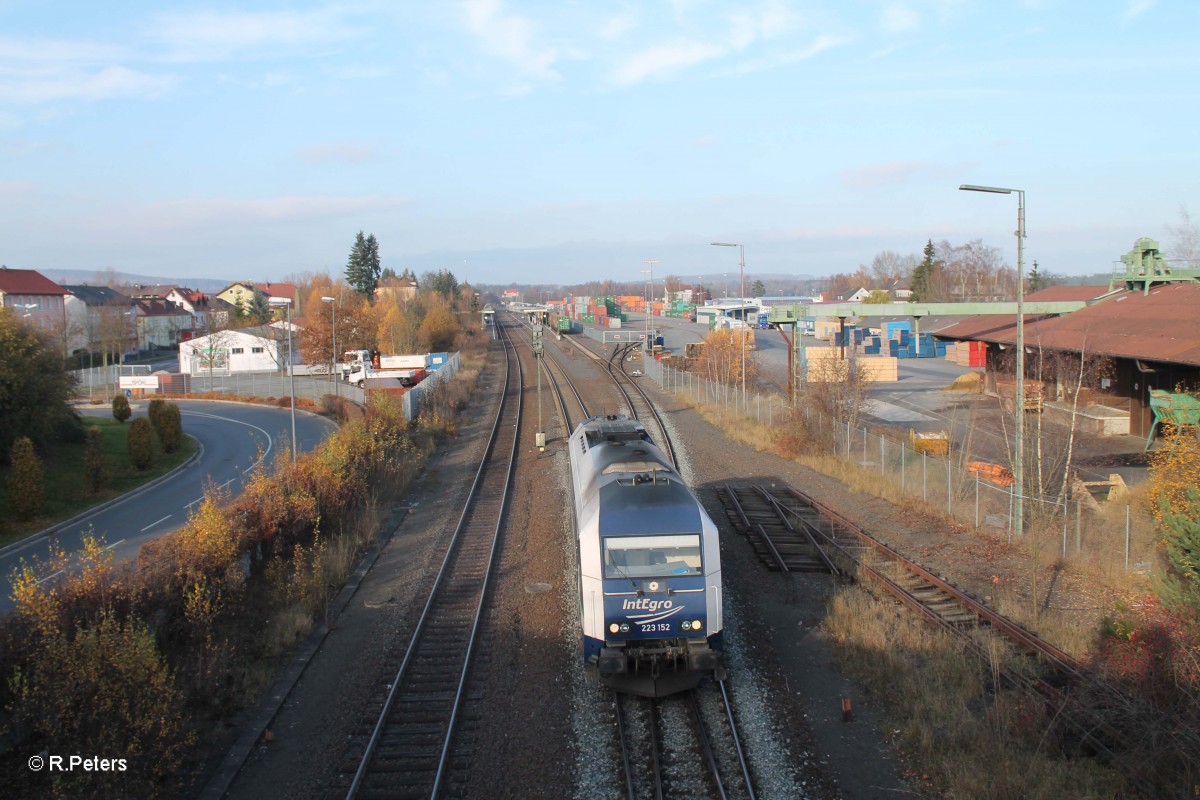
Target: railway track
{"points": [[1021, 659], [639, 402], [552, 366], [686, 745], [405, 751], [780, 543]]}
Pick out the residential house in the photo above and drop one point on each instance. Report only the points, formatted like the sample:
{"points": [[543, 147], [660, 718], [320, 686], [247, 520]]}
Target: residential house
{"points": [[208, 313], [900, 290], [36, 299], [244, 294], [401, 290], [99, 320], [856, 295], [159, 323], [511, 296]]}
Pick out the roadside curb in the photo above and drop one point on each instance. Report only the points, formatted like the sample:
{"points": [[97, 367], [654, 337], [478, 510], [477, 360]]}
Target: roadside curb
{"points": [[107, 504]]}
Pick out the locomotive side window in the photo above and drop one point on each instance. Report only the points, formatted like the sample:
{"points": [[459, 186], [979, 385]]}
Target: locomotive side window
{"points": [[651, 556]]}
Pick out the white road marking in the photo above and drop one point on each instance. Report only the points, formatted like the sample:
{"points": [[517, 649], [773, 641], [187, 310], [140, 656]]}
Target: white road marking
{"points": [[152, 524], [118, 541]]}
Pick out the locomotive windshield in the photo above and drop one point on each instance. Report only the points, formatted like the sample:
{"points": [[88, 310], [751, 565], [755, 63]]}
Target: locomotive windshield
{"points": [[647, 556]]}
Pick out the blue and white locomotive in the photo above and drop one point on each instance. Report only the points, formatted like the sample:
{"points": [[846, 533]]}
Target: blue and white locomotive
{"points": [[650, 563]]}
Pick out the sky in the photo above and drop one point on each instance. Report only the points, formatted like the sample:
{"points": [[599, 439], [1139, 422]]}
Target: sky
{"points": [[572, 140]]}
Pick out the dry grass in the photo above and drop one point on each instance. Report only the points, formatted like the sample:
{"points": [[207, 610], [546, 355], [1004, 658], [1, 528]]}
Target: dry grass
{"points": [[947, 715]]}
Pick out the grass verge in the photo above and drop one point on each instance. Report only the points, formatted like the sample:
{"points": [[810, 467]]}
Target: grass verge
{"points": [[65, 484]]}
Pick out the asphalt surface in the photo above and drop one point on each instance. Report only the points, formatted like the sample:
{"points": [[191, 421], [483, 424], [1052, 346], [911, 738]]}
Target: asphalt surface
{"points": [[232, 436]]}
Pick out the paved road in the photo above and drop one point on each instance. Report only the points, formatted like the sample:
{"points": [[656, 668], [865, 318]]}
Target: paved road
{"points": [[232, 436]]}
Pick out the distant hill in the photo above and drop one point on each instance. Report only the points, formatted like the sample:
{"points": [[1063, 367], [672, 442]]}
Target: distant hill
{"points": [[98, 277]]}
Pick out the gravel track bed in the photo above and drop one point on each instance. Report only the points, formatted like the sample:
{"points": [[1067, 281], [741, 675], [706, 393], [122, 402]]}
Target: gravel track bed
{"points": [[534, 725]]}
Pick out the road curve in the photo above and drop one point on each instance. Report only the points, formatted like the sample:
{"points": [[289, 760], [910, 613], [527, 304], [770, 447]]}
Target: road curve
{"points": [[232, 438]]}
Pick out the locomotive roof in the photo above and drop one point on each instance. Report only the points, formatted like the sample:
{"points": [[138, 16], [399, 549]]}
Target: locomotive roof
{"points": [[662, 506]]}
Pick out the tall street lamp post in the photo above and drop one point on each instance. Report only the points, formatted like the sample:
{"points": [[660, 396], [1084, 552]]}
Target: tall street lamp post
{"points": [[1019, 448], [741, 303], [286, 302], [649, 262], [333, 309]]}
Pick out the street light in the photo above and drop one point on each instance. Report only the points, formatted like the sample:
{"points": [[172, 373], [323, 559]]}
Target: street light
{"points": [[333, 309], [286, 302], [1019, 448], [741, 303], [649, 262]]}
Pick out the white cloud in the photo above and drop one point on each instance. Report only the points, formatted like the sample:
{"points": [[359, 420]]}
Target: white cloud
{"points": [[898, 18], [351, 152], [57, 51], [618, 25], [215, 36], [509, 37], [774, 60], [664, 60], [53, 84], [773, 20], [1136, 8]]}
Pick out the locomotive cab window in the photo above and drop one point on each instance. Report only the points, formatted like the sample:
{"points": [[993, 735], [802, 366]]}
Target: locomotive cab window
{"points": [[651, 556]]}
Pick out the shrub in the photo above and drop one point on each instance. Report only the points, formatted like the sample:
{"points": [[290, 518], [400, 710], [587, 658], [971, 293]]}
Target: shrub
{"points": [[140, 444], [26, 483], [155, 412], [95, 462], [170, 428], [121, 410], [106, 690]]}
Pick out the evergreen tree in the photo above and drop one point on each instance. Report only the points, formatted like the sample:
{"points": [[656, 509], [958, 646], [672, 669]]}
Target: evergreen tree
{"points": [[95, 463], [922, 277], [445, 284], [387, 272], [120, 408], [140, 443], [362, 269], [1035, 279], [35, 388], [758, 290], [1181, 535], [170, 433], [26, 481]]}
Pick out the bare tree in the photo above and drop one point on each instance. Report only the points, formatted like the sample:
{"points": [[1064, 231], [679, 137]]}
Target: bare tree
{"points": [[1185, 241]]}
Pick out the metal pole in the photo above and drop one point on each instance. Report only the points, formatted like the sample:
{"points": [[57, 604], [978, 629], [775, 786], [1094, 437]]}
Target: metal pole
{"points": [[742, 303], [335, 361], [924, 461], [292, 373], [1019, 450], [1066, 513]]}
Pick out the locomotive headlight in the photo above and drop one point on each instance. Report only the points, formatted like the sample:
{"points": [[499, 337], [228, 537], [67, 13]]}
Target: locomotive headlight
{"points": [[687, 626], [697, 625], [653, 586], [624, 627], [614, 628]]}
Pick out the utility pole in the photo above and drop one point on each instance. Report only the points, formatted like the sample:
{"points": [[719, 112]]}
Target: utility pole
{"points": [[650, 262], [539, 438]]}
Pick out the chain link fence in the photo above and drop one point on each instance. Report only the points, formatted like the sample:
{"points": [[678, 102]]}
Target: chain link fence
{"points": [[103, 383], [1114, 536]]}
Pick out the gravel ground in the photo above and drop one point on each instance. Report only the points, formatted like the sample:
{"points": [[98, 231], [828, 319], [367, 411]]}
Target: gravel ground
{"points": [[533, 726]]}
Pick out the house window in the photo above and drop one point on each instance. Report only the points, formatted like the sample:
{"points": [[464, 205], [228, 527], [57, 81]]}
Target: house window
{"points": [[256, 349], [237, 351]]}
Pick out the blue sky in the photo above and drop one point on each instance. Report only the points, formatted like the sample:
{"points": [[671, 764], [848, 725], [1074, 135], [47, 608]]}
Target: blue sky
{"points": [[568, 141]]}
